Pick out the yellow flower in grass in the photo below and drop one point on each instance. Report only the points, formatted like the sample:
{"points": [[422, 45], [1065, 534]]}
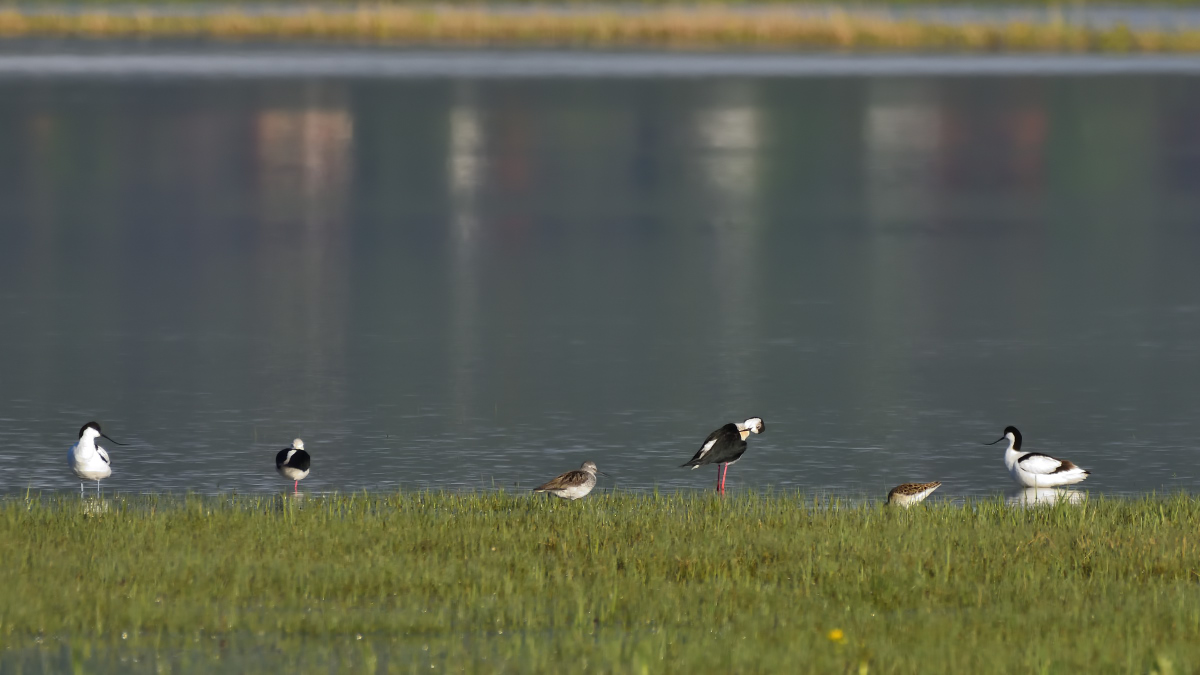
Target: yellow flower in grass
{"points": [[836, 635]]}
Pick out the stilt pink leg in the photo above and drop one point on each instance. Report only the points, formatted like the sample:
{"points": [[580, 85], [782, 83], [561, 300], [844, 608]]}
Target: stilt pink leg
{"points": [[296, 487]]}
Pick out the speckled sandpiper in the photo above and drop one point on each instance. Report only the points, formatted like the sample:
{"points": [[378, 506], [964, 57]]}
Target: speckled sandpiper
{"points": [[572, 484], [911, 493]]}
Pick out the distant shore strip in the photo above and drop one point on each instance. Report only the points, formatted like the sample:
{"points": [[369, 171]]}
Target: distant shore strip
{"points": [[692, 27]]}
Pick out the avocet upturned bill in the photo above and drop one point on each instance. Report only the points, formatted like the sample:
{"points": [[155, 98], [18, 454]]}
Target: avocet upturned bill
{"points": [[911, 493], [572, 484], [1035, 470], [725, 446], [293, 463], [88, 460]]}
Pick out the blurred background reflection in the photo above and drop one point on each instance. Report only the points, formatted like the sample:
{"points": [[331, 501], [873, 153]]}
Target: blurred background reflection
{"points": [[462, 283]]}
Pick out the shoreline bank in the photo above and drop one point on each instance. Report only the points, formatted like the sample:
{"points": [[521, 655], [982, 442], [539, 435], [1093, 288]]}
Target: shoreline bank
{"points": [[709, 27], [609, 579]]}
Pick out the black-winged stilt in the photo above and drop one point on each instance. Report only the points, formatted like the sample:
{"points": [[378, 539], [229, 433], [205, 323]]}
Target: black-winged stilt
{"points": [[88, 460], [573, 484], [725, 446], [1035, 470], [911, 493], [292, 463]]}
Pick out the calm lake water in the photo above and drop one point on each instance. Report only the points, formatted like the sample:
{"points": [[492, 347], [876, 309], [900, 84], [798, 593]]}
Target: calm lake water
{"points": [[467, 281]]}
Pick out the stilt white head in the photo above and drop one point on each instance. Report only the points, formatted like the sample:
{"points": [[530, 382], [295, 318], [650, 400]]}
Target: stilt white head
{"points": [[754, 425]]}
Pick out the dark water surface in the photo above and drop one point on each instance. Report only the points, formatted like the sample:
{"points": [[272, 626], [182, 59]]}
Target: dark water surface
{"points": [[472, 282]]}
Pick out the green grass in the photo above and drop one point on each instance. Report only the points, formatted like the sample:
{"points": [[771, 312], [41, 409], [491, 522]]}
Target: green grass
{"points": [[849, 4], [707, 27], [622, 583]]}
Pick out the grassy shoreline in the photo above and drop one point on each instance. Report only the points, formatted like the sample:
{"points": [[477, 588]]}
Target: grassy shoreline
{"points": [[1050, 5], [674, 583], [707, 26]]}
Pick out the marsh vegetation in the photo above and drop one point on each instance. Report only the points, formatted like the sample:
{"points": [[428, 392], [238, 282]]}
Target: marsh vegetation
{"points": [[670, 583], [709, 26]]}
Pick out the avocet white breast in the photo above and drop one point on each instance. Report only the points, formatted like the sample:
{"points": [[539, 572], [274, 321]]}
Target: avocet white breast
{"points": [[725, 446], [572, 484], [88, 460], [293, 463], [1033, 469]]}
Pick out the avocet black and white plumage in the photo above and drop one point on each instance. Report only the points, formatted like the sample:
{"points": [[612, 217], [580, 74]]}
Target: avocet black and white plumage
{"points": [[1033, 469], [292, 463], [88, 460], [725, 446], [573, 484], [911, 493]]}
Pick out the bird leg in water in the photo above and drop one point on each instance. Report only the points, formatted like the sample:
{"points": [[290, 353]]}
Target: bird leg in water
{"points": [[296, 487]]}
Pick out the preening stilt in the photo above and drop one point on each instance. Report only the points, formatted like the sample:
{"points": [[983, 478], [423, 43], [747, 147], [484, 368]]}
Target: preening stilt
{"points": [[725, 446], [293, 463]]}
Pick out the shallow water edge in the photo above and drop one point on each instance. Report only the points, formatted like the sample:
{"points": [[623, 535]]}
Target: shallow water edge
{"points": [[123, 60]]}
